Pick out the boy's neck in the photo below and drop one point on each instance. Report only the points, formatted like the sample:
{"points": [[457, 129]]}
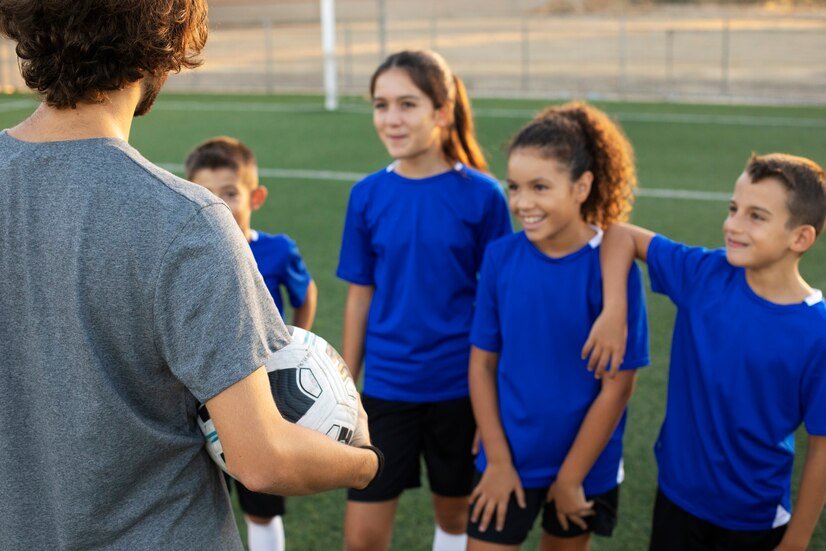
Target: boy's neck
{"points": [[780, 283]]}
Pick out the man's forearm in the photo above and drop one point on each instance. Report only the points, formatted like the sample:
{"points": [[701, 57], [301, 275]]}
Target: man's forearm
{"points": [[305, 462]]}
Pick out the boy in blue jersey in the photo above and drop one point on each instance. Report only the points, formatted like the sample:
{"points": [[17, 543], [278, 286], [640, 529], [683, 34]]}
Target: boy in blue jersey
{"points": [[228, 169], [748, 365]]}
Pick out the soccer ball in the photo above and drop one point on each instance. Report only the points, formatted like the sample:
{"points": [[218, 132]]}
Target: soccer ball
{"points": [[311, 386]]}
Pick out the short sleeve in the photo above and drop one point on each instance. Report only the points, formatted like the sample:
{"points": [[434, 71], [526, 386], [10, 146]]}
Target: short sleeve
{"points": [[636, 348], [497, 222], [486, 331], [813, 391], [214, 320], [296, 277], [357, 259], [674, 268]]}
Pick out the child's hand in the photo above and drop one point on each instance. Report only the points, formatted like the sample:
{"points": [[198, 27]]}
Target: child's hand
{"points": [[570, 504], [605, 347], [490, 497]]}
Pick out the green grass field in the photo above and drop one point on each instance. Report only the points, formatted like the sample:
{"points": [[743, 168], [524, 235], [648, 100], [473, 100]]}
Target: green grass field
{"points": [[679, 147]]}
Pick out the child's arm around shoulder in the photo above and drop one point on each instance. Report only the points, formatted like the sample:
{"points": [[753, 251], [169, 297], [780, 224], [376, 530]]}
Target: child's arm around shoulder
{"points": [[810, 500], [621, 245]]}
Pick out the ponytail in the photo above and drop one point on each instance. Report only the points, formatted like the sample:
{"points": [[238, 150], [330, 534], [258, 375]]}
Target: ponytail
{"points": [[460, 143], [583, 138]]}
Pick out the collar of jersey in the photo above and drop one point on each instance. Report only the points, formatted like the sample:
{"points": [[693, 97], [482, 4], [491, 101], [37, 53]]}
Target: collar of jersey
{"points": [[592, 244], [391, 168], [815, 298]]}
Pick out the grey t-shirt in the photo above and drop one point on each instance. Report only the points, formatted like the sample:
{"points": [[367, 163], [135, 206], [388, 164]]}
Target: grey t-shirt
{"points": [[127, 295]]}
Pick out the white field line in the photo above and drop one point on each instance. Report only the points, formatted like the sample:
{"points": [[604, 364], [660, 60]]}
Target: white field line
{"points": [[482, 112], [17, 105], [352, 177], [501, 113]]}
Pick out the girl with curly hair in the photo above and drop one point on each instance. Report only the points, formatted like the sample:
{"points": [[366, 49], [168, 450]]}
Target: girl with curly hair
{"points": [[551, 432]]}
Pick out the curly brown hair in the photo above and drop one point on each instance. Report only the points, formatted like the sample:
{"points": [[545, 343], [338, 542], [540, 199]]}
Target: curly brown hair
{"points": [[583, 138], [75, 51]]}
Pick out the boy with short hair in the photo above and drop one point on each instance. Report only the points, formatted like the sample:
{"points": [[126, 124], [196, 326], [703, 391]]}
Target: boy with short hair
{"points": [[748, 364], [227, 168]]}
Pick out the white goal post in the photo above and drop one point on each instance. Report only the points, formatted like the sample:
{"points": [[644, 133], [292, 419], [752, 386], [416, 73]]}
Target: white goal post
{"points": [[328, 45]]}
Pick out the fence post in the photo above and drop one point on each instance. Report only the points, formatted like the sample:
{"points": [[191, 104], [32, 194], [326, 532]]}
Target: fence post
{"points": [[348, 58], [382, 30], [268, 60], [622, 81], [5, 76], [328, 50], [669, 61], [526, 56], [725, 55]]}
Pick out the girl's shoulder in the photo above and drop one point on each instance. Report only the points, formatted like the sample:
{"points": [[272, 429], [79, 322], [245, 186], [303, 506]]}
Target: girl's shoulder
{"points": [[370, 187], [370, 180], [475, 176], [503, 248]]}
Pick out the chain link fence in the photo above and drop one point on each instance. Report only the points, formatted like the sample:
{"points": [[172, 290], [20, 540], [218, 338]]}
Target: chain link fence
{"points": [[664, 55]]}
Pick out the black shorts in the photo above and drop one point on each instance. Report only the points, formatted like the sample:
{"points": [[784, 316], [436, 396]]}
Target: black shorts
{"points": [[442, 432], [518, 521], [675, 529], [255, 504]]}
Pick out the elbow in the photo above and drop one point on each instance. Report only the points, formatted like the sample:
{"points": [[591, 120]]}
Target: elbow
{"points": [[264, 477], [621, 391], [271, 481], [311, 297], [252, 478], [624, 396], [253, 481], [278, 475]]}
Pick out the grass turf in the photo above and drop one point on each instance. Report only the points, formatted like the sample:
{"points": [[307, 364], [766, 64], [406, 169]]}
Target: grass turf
{"points": [[691, 147]]}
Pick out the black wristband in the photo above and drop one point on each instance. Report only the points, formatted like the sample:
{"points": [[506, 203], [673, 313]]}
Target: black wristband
{"points": [[380, 457]]}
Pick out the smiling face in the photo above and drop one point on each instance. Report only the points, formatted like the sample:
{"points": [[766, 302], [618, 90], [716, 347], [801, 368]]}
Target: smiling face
{"points": [[405, 119], [229, 186], [757, 229], [547, 202]]}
